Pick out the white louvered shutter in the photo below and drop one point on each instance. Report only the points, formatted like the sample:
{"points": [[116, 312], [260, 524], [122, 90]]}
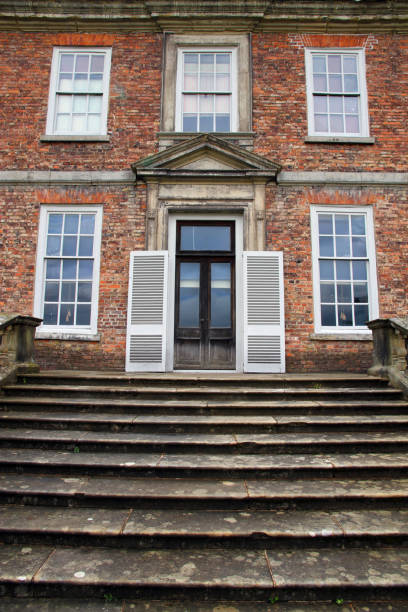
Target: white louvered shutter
{"points": [[264, 325], [146, 331]]}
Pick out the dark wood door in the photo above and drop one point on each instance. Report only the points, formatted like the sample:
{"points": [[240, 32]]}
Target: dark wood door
{"points": [[205, 296]]}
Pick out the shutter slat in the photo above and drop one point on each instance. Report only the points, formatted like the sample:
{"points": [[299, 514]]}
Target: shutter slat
{"points": [[263, 312], [146, 335]]}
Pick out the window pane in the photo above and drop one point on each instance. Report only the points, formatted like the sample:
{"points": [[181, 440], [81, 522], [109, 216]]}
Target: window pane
{"points": [[67, 314], [207, 104], [191, 82], [358, 225], [319, 63], [352, 124], [51, 292], [84, 292], [96, 83], [350, 83], [206, 123], [67, 62], [64, 104], [359, 247], [71, 224], [97, 63], [344, 293], [53, 268], [345, 315], [55, 224], [85, 246], [334, 63], [320, 104], [80, 82], [50, 314], [69, 246], [94, 122], [80, 104], [343, 270], [95, 104], [68, 292], [190, 104], [85, 268], [342, 246], [65, 82], [342, 224], [191, 62], [79, 123], [361, 293], [336, 104], [206, 82], [189, 309], [205, 238], [222, 62], [63, 123], [321, 123], [326, 246], [83, 314], [325, 224], [222, 123], [319, 82], [87, 224], [220, 295], [326, 270], [350, 64], [222, 104], [361, 315], [69, 267], [351, 104], [190, 123], [53, 245], [328, 315], [336, 123], [327, 292], [359, 270], [335, 84], [82, 63]]}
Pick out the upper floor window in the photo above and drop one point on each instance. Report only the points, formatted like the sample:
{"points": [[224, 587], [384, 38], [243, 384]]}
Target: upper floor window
{"points": [[206, 90], [336, 93], [79, 87]]}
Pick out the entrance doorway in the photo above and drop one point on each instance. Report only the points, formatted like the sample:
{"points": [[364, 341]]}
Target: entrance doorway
{"points": [[204, 313]]}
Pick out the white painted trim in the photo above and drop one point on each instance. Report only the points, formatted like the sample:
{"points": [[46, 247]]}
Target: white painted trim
{"points": [[364, 122], [239, 313], [264, 330], [50, 130], [179, 82], [146, 329], [39, 286], [372, 267]]}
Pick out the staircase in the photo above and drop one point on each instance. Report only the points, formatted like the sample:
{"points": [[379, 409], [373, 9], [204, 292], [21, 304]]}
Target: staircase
{"points": [[185, 492]]}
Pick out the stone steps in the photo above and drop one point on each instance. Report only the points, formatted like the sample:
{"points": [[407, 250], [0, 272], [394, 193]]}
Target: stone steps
{"points": [[181, 489]]}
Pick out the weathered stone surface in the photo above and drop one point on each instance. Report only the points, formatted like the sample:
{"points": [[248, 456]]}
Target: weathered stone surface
{"points": [[373, 522], [61, 605], [311, 568], [174, 567], [21, 563]]}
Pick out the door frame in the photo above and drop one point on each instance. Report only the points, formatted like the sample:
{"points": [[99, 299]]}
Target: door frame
{"points": [[239, 310]]}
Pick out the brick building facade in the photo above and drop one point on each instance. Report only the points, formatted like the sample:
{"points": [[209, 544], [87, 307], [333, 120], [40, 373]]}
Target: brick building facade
{"points": [[274, 133]]}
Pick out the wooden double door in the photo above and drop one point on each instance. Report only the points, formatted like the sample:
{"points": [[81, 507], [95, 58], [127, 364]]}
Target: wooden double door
{"points": [[204, 335]]}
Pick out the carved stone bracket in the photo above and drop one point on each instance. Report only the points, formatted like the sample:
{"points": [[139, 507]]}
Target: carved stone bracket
{"points": [[390, 339]]}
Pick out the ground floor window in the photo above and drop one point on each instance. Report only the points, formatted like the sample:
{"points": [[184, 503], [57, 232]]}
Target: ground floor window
{"points": [[344, 270], [67, 272]]}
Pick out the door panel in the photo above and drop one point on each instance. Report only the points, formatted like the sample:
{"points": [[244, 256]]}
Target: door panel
{"points": [[205, 296]]}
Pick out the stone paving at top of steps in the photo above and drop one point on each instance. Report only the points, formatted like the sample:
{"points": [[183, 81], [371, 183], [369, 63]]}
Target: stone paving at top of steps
{"points": [[308, 570], [227, 524], [120, 605]]}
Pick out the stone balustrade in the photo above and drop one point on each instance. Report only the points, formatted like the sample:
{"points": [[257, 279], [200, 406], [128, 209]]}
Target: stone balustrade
{"points": [[390, 340], [16, 344]]}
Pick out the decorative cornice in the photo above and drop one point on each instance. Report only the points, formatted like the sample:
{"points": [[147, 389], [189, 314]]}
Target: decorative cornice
{"points": [[317, 16], [344, 178]]}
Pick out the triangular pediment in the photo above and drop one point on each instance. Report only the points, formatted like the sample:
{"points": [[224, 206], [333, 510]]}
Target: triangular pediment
{"points": [[206, 155]]}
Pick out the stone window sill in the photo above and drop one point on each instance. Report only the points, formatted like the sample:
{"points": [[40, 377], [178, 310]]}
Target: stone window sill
{"points": [[72, 138], [69, 337], [357, 337], [341, 139]]}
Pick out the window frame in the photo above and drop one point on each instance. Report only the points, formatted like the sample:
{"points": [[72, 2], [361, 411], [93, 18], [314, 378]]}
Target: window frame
{"points": [[67, 330], [179, 85], [53, 89], [363, 100], [371, 267]]}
